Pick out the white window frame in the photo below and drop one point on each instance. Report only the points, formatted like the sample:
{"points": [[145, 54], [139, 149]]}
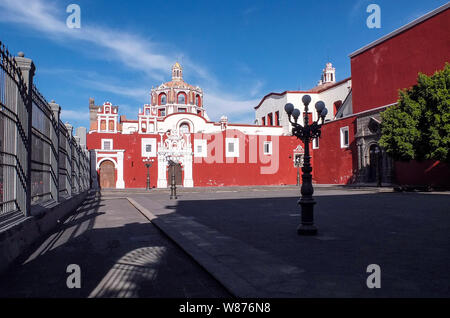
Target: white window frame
{"points": [[234, 153], [315, 143], [144, 143], [342, 135], [269, 143], [203, 144], [107, 140]]}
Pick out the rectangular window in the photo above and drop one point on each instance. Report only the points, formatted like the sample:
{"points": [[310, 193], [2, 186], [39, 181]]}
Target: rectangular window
{"points": [[267, 147], [232, 147], [181, 110], [344, 137], [263, 121], [298, 160], [277, 118], [200, 148], [315, 143], [162, 112], [148, 147], [269, 120], [107, 144]]}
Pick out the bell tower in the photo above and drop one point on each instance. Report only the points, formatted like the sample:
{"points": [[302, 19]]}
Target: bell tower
{"points": [[328, 74], [177, 72]]}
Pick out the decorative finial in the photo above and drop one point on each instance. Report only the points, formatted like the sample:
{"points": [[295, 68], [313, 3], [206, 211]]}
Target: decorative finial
{"points": [[21, 54]]}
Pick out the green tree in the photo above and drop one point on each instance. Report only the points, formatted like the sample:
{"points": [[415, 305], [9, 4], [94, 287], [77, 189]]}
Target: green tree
{"points": [[418, 126]]}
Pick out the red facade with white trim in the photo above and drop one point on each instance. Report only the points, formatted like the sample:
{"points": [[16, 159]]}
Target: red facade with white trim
{"points": [[174, 126]]}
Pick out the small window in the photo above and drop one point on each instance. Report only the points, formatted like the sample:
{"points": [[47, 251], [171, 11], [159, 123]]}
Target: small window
{"points": [[269, 120], [162, 112], [184, 128], [267, 147], [181, 99], [232, 147], [344, 137], [298, 160], [107, 144], [181, 110], [277, 118], [148, 147], [315, 143], [200, 147], [163, 99]]}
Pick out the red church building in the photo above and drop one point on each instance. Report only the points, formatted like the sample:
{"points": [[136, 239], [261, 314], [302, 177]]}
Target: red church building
{"points": [[174, 129]]}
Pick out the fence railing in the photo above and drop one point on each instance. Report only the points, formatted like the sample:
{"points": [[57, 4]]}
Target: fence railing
{"points": [[40, 160]]}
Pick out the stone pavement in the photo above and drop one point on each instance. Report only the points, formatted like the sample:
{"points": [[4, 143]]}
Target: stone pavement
{"points": [[120, 254], [246, 238]]}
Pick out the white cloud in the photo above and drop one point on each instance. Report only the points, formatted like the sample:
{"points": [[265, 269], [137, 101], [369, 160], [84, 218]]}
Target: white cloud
{"points": [[229, 106], [139, 93], [131, 50], [69, 115]]}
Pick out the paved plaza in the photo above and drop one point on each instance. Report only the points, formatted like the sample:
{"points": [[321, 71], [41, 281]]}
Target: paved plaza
{"points": [[242, 241]]}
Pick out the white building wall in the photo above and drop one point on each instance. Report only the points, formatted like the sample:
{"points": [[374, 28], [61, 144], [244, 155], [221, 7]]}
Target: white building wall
{"points": [[129, 128], [273, 103]]}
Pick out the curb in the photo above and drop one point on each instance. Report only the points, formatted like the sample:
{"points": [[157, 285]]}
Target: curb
{"points": [[233, 283]]}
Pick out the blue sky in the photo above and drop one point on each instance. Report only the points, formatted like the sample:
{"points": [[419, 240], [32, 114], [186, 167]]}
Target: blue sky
{"points": [[237, 51]]}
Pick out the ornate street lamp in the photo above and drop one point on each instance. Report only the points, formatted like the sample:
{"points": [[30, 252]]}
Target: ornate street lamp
{"points": [[148, 163], [173, 184], [306, 133]]}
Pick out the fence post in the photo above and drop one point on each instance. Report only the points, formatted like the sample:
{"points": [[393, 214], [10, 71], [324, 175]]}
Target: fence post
{"points": [[27, 68], [69, 128], [78, 162], [56, 110], [93, 169]]}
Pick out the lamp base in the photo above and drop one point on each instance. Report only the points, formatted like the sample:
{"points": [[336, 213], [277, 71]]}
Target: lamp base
{"points": [[306, 230]]}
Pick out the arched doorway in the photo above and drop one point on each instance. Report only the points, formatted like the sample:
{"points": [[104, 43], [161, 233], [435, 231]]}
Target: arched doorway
{"points": [[375, 162], [175, 169], [107, 175]]}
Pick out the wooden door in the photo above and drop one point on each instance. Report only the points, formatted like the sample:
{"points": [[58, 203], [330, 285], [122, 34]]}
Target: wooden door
{"points": [[178, 174], [107, 175]]}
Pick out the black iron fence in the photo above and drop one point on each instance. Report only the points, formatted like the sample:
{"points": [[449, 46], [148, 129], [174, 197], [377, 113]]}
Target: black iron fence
{"points": [[40, 160]]}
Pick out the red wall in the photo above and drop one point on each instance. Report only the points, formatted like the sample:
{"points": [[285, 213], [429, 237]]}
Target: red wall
{"points": [[134, 170], [379, 72], [331, 163], [246, 170], [433, 173]]}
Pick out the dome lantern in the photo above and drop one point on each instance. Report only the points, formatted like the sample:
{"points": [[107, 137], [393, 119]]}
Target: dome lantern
{"points": [[177, 72]]}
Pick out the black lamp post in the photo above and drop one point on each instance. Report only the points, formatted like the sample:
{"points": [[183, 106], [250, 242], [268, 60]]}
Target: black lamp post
{"points": [[306, 133], [173, 184], [148, 163]]}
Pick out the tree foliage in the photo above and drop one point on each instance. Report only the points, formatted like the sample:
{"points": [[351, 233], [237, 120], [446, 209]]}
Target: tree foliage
{"points": [[418, 126]]}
